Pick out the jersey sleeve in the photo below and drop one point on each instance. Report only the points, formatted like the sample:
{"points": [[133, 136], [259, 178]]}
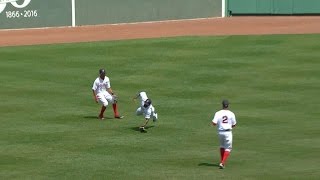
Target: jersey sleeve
{"points": [[234, 122], [94, 86], [108, 85], [215, 119]]}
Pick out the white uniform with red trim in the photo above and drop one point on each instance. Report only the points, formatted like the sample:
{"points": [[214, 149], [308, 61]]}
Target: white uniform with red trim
{"points": [[100, 87], [225, 119]]}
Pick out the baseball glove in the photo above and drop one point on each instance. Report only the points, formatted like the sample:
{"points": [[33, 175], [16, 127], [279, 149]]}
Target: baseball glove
{"points": [[115, 98]]}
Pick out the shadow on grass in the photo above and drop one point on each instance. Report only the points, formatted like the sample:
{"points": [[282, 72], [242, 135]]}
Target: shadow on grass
{"points": [[96, 117], [137, 128], [209, 164]]}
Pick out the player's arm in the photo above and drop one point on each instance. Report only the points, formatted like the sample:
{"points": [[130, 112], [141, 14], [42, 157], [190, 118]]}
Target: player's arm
{"points": [[136, 97], [108, 88], [110, 91], [94, 96], [233, 124], [234, 121], [214, 120], [94, 87]]}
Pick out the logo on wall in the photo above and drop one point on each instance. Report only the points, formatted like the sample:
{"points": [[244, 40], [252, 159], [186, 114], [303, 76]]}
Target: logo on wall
{"points": [[3, 4]]}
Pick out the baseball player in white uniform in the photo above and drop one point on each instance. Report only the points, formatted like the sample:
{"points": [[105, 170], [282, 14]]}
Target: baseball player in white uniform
{"points": [[146, 108], [225, 120], [103, 94]]}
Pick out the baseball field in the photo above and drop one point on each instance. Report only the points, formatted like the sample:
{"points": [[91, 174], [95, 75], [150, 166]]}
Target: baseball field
{"points": [[49, 128]]}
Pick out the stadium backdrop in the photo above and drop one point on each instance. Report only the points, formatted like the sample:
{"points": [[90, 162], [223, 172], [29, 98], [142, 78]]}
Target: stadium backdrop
{"points": [[16, 14]]}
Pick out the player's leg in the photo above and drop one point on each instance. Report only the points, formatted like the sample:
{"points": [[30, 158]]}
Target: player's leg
{"points": [[112, 100], [101, 116], [115, 110], [143, 127], [221, 153], [102, 100], [222, 149], [227, 146], [147, 115]]}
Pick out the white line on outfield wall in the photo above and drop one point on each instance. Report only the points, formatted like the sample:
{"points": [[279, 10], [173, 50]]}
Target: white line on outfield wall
{"points": [[223, 8], [73, 9], [116, 24]]}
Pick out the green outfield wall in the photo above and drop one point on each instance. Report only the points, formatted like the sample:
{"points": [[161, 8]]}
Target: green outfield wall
{"points": [[15, 14], [125, 11], [273, 7], [34, 13]]}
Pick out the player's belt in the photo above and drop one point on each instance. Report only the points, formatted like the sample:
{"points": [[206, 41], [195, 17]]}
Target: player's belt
{"points": [[225, 130]]}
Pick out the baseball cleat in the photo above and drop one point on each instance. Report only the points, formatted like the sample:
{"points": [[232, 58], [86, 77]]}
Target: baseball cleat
{"points": [[142, 129], [221, 166], [100, 117]]}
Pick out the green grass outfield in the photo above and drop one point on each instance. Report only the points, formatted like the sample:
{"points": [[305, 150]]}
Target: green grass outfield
{"points": [[48, 128]]}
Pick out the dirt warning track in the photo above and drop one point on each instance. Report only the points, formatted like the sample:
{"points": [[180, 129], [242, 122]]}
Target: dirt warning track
{"points": [[197, 27]]}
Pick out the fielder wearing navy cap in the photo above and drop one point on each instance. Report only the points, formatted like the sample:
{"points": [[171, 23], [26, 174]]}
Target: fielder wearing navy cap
{"points": [[225, 120], [225, 103], [102, 71]]}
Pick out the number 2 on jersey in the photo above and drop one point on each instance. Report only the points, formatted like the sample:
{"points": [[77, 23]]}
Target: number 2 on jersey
{"points": [[225, 119]]}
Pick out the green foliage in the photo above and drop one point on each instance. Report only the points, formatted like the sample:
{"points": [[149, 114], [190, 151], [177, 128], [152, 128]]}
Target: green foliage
{"points": [[48, 128]]}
